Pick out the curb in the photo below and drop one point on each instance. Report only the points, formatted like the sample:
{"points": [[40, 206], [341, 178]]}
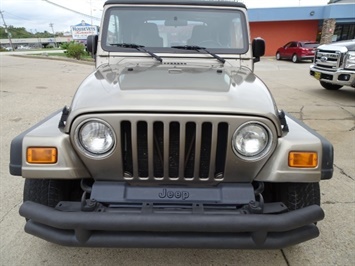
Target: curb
{"points": [[56, 58]]}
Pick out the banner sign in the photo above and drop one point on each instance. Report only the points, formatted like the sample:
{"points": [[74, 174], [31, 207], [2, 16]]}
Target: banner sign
{"points": [[81, 32]]}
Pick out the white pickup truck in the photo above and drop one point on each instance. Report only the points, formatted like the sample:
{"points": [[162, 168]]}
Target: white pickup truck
{"points": [[334, 65]]}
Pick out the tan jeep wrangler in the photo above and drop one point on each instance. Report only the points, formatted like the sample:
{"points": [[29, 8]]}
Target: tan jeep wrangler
{"points": [[172, 141]]}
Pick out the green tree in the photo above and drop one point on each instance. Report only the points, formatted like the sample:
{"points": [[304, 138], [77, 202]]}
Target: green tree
{"points": [[15, 32], [20, 32], [44, 34]]}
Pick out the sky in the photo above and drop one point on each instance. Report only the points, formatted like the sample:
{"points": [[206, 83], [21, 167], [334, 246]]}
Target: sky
{"points": [[37, 15]]}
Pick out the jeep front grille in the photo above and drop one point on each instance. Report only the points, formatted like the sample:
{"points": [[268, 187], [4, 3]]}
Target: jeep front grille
{"points": [[171, 150], [328, 60]]}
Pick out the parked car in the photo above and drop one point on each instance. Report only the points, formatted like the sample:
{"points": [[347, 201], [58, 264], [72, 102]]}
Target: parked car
{"points": [[23, 47], [297, 51]]}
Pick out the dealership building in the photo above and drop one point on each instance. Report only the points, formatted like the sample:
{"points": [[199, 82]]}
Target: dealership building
{"points": [[278, 26]]}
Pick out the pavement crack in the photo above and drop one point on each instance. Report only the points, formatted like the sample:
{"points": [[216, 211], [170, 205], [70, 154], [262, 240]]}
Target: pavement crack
{"points": [[328, 202], [347, 111], [14, 207], [301, 113], [285, 258], [330, 119], [343, 172]]}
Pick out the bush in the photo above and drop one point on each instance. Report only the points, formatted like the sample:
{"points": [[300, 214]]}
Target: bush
{"points": [[65, 45], [76, 50]]}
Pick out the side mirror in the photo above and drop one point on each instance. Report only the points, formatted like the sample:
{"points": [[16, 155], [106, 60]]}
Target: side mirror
{"points": [[91, 44], [258, 46]]}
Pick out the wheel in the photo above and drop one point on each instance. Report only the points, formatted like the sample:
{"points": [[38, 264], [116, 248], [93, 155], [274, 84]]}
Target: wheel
{"points": [[330, 86], [278, 56], [295, 195], [295, 58], [49, 192]]}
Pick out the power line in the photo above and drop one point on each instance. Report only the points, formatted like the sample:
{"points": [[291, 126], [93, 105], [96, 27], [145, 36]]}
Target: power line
{"points": [[12, 15], [72, 10]]}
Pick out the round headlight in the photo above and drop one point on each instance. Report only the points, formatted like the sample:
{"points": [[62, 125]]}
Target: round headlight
{"points": [[96, 137], [252, 141]]}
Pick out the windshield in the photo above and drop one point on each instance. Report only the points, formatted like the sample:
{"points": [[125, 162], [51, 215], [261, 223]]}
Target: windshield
{"points": [[310, 45], [161, 28]]}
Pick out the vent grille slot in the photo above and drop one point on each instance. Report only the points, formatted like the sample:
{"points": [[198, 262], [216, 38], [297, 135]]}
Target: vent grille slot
{"points": [[173, 150]]}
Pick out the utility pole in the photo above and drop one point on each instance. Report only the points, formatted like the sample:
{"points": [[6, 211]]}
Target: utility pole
{"points": [[7, 31], [51, 25], [91, 11], [39, 40]]}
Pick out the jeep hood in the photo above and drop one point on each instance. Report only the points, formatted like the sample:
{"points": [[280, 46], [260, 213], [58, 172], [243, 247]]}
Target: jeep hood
{"points": [[171, 88]]}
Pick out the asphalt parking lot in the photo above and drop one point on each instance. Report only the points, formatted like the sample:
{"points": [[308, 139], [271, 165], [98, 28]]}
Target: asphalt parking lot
{"points": [[31, 89]]}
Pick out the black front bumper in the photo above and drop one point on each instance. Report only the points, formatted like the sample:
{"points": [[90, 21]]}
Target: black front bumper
{"points": [[171, 230]]}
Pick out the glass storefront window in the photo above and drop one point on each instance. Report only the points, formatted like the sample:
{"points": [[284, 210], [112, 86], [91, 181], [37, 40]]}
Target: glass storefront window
{"points": [[344, 32]]}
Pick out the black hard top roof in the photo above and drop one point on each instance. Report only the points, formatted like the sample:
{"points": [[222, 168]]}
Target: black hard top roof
{"points": [[177, 2]]}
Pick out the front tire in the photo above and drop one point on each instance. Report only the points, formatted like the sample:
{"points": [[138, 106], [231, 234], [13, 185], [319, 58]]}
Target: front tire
{"points": [[296, 195], [49, 192], [329, 86], [278, 56]]}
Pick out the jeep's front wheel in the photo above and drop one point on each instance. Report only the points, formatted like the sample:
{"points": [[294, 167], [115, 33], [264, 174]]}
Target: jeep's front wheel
{"points": [[297, 195], [49, 192], [330, 86]]}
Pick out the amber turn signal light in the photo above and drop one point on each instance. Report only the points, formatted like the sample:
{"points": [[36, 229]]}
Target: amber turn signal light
{"points": [[42, 155], [303, 159]]}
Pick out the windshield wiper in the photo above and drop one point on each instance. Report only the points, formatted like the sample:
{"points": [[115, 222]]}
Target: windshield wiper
{"points": [[198, 48], [139, 48]]}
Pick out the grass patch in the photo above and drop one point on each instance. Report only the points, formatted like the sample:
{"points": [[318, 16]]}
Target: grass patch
{"points": [[62, 54]]}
